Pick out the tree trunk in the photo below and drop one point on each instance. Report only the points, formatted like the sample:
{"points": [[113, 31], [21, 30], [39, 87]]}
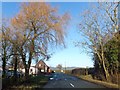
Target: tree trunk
{"points": [[30, 59], [15, 67], [102, 63], [26, 73], [111, 72], [3, 66], [27, 66], [106, 73]]}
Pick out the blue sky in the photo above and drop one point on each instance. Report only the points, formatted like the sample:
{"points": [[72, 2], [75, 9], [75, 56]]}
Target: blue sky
{"points": [[71, 55]]}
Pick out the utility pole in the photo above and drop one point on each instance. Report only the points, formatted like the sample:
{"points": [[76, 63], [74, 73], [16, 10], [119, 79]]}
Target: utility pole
{"points": [[86, 70], [65, 66]]}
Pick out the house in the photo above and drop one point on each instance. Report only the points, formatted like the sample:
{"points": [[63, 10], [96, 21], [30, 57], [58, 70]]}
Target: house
{"points": [[42, 67]]}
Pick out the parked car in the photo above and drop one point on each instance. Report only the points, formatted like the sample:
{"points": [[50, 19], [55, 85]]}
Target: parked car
{"points": [[10, 73]]}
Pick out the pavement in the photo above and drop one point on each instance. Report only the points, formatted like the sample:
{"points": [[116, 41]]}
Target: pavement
{"points": [[61, 80]]}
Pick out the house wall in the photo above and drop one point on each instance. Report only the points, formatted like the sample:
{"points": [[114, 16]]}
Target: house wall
{"points": [[23, 70], [42, 66], [32, 70]]}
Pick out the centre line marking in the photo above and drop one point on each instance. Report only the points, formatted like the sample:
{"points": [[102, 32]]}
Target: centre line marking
{"points": [[71, 84]]}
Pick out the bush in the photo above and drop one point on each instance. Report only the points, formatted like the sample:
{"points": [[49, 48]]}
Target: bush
{"points": [[8, 82], [80, 71]]}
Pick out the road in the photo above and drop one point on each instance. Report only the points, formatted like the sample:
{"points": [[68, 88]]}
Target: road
{"points": [[60, 80]]}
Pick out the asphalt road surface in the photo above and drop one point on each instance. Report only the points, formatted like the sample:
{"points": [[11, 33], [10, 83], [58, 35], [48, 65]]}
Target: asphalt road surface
{"points": [[60, 80]]}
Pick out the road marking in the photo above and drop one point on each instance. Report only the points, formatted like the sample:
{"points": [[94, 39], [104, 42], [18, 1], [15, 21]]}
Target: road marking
{"points": [[71, 84]]}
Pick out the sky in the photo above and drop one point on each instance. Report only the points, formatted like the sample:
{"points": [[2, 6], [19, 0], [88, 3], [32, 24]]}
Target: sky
{"points": [[70, 56]]}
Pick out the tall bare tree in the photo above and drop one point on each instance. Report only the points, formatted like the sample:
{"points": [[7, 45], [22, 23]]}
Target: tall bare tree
{"points": [[5, 47], [98, 26]]}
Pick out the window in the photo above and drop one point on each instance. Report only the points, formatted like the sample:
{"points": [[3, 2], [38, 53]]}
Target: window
{"points": [[39, 65]]}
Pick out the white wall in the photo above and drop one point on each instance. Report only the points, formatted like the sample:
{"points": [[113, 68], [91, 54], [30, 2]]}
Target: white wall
{"points": [[23, 70], [34, 70]]}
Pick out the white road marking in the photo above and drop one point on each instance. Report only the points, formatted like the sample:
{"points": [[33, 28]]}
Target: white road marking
{"points": [[71, 84]]}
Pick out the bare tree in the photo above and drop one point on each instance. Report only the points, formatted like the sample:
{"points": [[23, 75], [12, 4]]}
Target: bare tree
{"points": [[5, 47], [98, 27], [59, 66]]}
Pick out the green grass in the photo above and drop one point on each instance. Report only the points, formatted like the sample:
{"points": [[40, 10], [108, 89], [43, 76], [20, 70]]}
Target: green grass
{"points": [[32, 83]]}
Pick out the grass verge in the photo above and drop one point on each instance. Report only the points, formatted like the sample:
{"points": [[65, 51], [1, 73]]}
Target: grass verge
{"points": [[32, 83], [103, 83]]}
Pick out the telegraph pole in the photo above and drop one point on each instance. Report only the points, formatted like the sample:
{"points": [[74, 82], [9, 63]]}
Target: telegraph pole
{"points": [[65, 66]]}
